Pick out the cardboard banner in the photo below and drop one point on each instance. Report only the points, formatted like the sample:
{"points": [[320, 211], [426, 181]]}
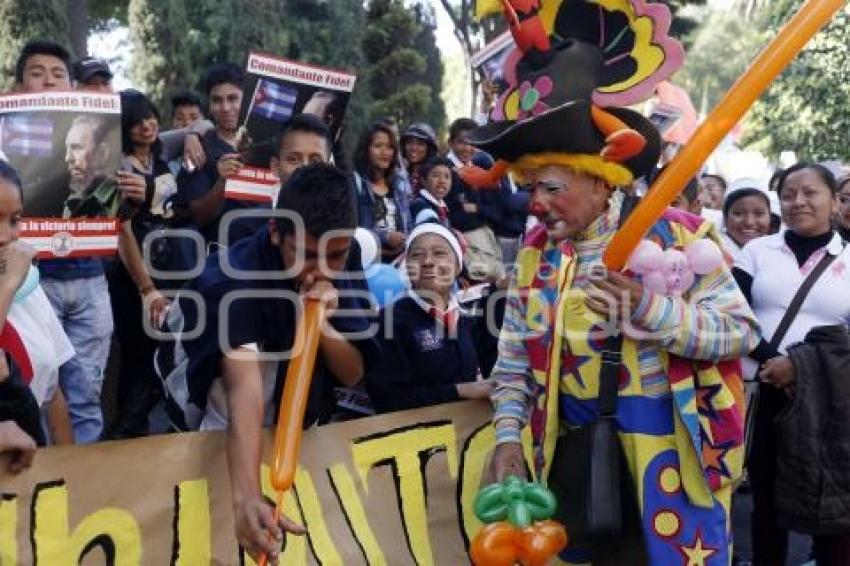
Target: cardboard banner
{"points": [[277, 89], [66, 147], [394, 489]]}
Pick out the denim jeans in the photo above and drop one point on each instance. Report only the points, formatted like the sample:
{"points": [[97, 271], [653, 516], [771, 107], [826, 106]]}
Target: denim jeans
{"points": [[83, 308]]}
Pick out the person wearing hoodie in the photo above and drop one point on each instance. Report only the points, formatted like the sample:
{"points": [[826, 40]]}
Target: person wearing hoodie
{"points": [[418, 145]]}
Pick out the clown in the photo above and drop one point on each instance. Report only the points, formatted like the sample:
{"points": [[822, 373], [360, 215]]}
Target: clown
{"points": [[558, 129]]}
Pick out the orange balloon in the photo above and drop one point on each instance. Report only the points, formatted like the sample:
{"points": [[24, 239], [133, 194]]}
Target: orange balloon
{"points": [[773, 59], [495, 545], [296, 389], [539, 542]]}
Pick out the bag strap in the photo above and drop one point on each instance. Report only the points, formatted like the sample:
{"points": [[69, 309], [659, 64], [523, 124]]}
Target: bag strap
{"points": [[612, 358], [609, 375], [798, 299]]}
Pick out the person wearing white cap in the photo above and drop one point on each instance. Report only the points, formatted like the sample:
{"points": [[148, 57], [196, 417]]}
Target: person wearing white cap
{"points": [[746, 216], [428, 354]]}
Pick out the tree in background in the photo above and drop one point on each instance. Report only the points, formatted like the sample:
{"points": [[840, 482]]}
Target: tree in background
{"points": [[24, 20], [331, 34], [806, 109], [425, 44], [396, 70], [78, 25], [720, 50], [260, 27], [161, 63]]}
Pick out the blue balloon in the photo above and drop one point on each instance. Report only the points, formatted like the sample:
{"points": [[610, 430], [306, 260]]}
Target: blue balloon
{"points": [[385, 283]]}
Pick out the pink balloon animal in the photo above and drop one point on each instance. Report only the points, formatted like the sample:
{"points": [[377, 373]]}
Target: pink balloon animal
{"points": [[672, 271]]}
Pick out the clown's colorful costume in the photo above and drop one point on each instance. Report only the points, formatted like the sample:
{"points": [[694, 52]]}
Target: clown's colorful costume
{"points": [[680, 421], [679, 406]]}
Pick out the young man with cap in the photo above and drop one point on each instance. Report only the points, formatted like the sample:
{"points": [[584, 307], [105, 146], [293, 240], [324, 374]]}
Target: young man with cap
{"points": [[578, 340], [93, 75]]}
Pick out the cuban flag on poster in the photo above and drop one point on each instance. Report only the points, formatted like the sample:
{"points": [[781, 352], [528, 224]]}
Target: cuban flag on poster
{"points": [[27, 136], [274, 101]]}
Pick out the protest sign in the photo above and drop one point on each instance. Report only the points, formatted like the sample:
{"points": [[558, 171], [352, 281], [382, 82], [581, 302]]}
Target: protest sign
{"points": [[394, 489], [66, 148], [490, 60], [277, 89], [253, 184]]}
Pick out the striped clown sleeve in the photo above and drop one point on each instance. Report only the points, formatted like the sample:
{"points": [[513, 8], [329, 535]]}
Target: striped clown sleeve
{"points": [[713, 323], [512, 377]]}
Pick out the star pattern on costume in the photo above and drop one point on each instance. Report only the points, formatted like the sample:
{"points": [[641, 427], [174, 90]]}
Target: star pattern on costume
{"points": [[704, 396], [713, 455], [697, 553], [571, 365]]}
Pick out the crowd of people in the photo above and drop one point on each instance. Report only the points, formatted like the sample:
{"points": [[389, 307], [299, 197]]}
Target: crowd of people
{"points": [[466, 264]]}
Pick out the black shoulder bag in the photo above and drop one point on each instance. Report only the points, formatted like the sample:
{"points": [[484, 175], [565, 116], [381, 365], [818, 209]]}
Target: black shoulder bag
{"points": [[588, 474]]}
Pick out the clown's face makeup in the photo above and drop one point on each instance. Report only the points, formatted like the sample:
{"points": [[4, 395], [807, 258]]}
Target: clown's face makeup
{"points": [[565, 201]]}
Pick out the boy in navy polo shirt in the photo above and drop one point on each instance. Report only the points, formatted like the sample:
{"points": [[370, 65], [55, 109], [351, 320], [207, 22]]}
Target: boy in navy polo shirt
{"points": [[245, 308], [202, 190]]}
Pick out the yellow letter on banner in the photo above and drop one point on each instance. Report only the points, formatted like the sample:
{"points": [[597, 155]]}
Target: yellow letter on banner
{"points": [[114, 530], [355, 514], [317, 530], [8, 530], [194, 542], [402, 448]]}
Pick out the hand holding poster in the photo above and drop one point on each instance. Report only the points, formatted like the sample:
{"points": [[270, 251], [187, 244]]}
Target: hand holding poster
{"points": [[66, 148]]}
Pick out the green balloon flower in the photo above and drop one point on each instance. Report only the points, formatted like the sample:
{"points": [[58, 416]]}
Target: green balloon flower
{"points": [[520, 503]]}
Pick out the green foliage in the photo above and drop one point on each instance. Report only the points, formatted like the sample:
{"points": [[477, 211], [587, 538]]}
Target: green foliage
{"points": [[720, 51], [24, 20], [104, 13], [258, 25], [426, 44], [405, 71], [406, 106], [161, 63], [388, 74], [806, 109]]}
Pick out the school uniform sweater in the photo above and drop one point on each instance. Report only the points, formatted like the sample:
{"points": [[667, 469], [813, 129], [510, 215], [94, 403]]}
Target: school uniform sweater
{"points": [[421, 359]]}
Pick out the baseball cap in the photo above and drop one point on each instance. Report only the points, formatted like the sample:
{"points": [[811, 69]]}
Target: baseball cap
{"points": [[87, 68]]}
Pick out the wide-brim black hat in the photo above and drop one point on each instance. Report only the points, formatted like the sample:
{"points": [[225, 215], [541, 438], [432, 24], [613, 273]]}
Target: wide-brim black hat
{"points": [[566, 129]]}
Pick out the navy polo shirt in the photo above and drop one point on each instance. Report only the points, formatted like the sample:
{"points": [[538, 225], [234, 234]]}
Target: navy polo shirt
{"points": [[420, 364], [192, 186], [267, 322]]}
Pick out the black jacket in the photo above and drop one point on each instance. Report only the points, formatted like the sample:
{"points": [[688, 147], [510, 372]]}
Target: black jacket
{"points": [[813, 437]]}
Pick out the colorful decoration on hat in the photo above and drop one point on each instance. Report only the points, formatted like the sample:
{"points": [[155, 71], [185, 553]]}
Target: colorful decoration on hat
{"points": [[518, 526], [565, 89]]}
